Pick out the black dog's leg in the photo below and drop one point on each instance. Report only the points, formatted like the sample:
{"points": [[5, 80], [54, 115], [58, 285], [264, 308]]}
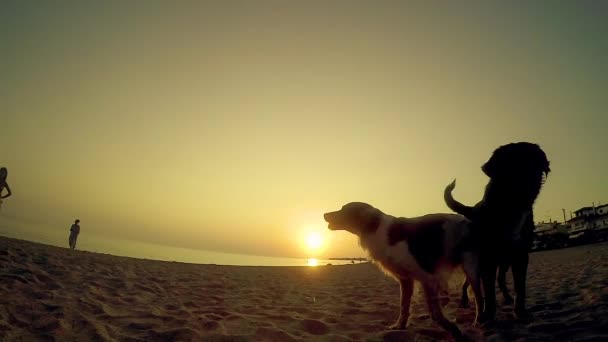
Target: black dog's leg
{"points": [[502, 283], [520, 267], [520, 270], [464, 299], [488, 278]]}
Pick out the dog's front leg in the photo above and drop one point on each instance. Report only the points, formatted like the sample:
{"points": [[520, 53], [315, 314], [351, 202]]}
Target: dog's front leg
{"points": [[502, 282], [464, 298], [407, 289], [520, 270]]}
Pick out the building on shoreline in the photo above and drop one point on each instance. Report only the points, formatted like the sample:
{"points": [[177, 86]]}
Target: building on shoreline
{"points": [[588, 225], [550, 235]]}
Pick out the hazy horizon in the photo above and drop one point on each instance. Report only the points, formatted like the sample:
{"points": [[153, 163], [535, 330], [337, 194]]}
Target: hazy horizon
{"points": [[233, 126]]}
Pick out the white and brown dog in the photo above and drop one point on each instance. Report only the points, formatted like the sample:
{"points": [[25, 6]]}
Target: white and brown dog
{"points": [[426, 248]]}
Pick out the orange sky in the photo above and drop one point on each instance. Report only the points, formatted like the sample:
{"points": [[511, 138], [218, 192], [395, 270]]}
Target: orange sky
{"points": [[234, 126]]}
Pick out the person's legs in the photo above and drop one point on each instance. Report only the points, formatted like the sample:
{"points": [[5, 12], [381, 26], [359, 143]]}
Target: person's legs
{"points": [[72, 240]]}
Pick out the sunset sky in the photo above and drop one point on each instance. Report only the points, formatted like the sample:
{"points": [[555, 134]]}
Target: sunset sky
{"points": [[234, 125]]}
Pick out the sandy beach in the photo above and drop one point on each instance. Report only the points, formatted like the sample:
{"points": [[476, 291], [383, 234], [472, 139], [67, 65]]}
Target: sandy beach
{"points": [[50, 293]]}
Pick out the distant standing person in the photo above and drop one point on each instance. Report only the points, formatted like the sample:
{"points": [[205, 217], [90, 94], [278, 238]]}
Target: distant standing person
{"points": [[4, 184], [74, 231]]}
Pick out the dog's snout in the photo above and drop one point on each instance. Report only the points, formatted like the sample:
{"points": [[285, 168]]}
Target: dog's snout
{"points": [[326, 216]]}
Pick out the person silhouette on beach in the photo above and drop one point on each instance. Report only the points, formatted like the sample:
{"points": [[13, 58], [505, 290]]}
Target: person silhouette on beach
{"points": [[74, 231], [4, 184]]}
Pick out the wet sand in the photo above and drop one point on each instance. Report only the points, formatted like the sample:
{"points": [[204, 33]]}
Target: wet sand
{"points": [[51, 293]]}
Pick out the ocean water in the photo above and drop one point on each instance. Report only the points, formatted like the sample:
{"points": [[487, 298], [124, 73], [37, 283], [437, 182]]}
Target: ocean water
{"points": [[145, 250]]}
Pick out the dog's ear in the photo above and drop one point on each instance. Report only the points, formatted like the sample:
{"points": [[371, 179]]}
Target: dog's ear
{"points": [[492, 166], [500, 162], [370, 220], [542, 161]]}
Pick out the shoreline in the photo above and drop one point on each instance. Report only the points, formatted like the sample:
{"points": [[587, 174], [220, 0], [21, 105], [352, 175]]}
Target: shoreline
{"points": [[156, 252]]}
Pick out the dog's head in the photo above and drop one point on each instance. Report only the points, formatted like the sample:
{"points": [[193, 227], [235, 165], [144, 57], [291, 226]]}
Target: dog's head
{"points": [[518, 161], [355, 217]]}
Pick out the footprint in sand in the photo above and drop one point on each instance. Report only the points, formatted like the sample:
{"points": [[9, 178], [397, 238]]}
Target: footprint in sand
{"points": [[272, 334], [314, 327], [211, 326], [180, 334], [141, 325], [171, 307]]}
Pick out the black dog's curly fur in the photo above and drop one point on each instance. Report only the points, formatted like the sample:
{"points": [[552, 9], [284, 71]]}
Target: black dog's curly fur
{"points": [[503, 218]]}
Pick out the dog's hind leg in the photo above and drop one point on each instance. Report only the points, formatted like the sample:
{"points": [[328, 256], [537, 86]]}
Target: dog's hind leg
{"points": [[471, 270], [502, 283], [432, 300], [488, 279], [464, 299], [407, 289]]}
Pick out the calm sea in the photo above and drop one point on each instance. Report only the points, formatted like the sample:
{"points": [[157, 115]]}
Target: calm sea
{"points": [[144, 250]]}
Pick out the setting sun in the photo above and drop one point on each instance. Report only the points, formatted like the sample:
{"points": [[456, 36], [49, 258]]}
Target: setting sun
{"points": [[314, 240]]}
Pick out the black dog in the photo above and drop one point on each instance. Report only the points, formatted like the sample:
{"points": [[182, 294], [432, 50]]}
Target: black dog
{"points": [[501, 279], [503, 219], [503, 267]]}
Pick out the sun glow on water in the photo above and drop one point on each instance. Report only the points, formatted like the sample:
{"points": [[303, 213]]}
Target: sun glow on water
{"points": [[313, 262]]}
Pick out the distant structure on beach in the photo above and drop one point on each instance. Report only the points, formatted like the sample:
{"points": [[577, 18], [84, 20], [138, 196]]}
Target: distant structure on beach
{"points": [[588, 225], [351, 259]]}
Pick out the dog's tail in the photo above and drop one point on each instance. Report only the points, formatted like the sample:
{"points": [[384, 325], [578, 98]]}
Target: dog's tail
{"points": [[454, 204]]}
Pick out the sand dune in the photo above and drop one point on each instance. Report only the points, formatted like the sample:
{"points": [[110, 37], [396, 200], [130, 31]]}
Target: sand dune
{"points": [[51, 293]]}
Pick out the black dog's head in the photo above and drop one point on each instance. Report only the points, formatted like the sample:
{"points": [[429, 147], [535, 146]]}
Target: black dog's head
{"points": [[355, 217], [518, 161]]}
